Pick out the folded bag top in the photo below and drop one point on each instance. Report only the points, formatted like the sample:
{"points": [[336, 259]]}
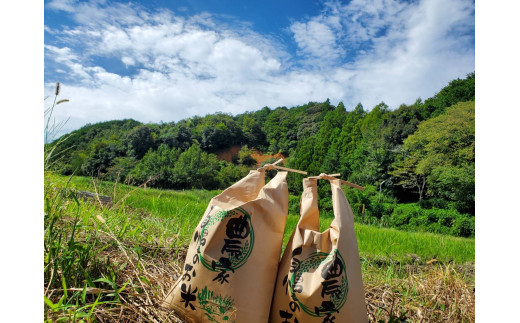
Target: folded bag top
{"points": [[232, 260], [319, 276]]}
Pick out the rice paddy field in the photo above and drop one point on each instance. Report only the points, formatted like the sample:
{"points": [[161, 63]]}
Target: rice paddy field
{"points": [[114, 262]]}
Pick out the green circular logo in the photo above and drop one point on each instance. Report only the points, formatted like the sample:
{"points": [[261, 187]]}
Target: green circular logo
{"points": [[237, 244], [334, 283]]}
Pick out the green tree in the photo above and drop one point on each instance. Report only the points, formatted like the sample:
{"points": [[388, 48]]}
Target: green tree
{"points": [[101, 157], [196, 168], [400, 123], [245, 156], [177, 136], [139, 141], [74, 148], [408, 175], [310, 118], [372, 156], [346, 143], [230, 174], [276, 128], [252, 130], [218, 131], [330, 128], [157, 164], [443, 151], [456, 91], [120, 169]]}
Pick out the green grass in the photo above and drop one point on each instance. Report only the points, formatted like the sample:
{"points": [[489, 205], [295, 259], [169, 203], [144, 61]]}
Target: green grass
{"points": [[401, 246], [165, 217], [168, 218]]}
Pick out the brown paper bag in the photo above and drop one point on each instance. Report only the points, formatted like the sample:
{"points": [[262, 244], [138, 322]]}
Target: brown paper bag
{"points": [[319, 277], [232, 261]]}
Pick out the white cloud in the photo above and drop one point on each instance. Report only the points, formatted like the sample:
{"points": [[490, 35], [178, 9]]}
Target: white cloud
{"points": [[365, 51], [420, 57], [393, 51], [48, 29], [65, 5], [128, 61], [316, 39], [62, 55]]}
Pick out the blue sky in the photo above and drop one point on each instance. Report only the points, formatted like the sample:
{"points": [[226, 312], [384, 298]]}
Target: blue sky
{"points": [[168, 60]]}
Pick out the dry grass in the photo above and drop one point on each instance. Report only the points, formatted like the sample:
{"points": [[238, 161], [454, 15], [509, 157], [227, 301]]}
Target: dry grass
{"points": [[147, 278], [427, 293], [431, 293]]}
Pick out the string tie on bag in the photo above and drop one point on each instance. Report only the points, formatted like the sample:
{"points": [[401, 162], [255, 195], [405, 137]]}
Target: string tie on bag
{"points": [[272, 166], [268, 167], [332, 177], [275, 166]]}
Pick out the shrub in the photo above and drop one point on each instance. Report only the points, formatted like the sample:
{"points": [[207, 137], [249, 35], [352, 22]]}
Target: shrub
{"points": [[294, 204], [377, 210], [403, 213], [196, 169], [157, 164], [325, 206], [445, 221], [230, 174], [245, 156], [121, 168], [433, 203], [464, 226]]}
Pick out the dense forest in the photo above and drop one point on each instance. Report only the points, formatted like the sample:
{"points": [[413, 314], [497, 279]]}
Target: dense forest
{"points": [[417, 162]]}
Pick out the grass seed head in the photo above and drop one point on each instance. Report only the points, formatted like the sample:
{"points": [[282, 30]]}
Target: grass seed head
{"points": [[100, 218]]}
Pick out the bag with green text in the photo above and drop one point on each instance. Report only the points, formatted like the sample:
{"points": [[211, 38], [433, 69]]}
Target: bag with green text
{"points": [[319, 276], [232, 260]]}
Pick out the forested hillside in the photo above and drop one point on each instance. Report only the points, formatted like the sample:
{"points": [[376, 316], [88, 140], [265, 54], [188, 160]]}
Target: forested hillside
{"points": [[417, 162]]}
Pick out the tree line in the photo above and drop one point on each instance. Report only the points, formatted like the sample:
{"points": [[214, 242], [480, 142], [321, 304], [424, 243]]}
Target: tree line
{"points": [[422, 154]]}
